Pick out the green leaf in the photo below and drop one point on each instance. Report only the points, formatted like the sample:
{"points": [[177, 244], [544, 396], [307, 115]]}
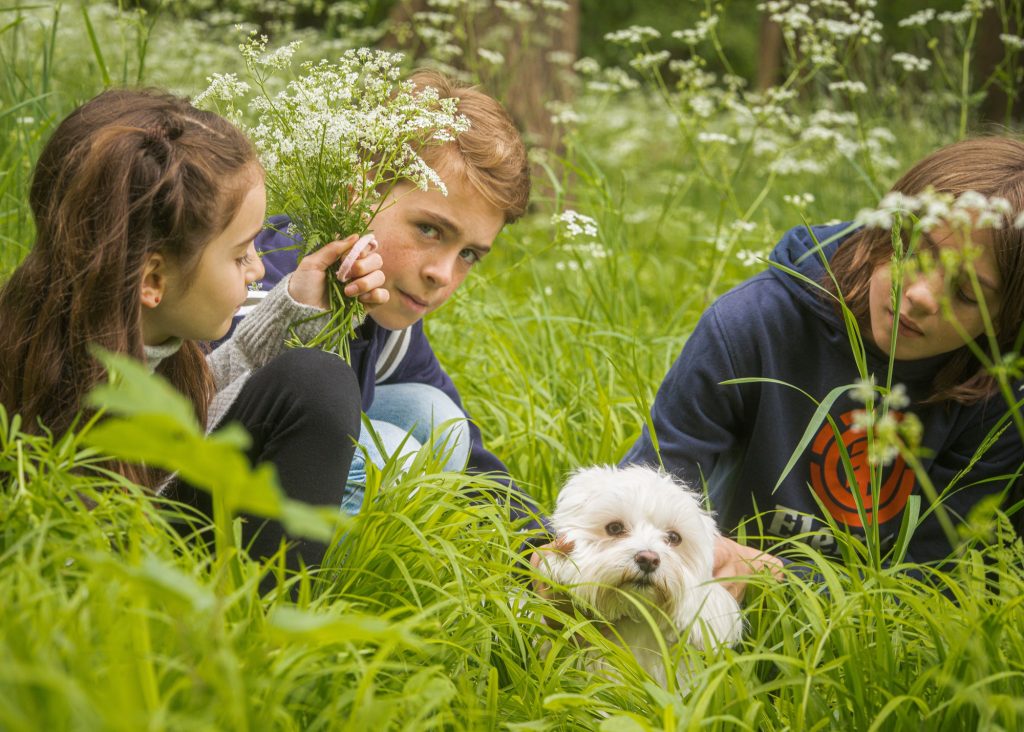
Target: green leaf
{"points": [[96, 51], [820, 415], [292, 624], [155, 425], [133, 389]]}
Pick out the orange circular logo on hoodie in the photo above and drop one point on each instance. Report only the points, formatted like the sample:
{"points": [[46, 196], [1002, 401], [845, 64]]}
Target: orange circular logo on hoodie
{"points": [[828, 476]]}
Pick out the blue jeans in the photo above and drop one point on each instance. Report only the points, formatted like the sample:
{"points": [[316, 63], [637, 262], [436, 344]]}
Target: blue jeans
{"points": [[404, 416]]}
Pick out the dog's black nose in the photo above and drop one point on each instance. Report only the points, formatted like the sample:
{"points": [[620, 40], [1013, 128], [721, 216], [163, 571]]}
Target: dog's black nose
{"points": [[647, 561]]}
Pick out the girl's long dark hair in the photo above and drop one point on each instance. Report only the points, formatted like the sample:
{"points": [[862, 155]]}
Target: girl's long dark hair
{"points": [[126, 175], [993, 166]]}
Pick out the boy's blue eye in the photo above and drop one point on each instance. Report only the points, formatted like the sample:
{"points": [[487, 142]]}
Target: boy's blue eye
{"points": [[429, 231], [470, 256]]}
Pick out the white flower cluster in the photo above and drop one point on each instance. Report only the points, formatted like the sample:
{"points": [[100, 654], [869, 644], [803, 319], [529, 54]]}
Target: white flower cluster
{"points": [[337, 137], [634, 35], [693, 36], [1011, 41], [891, 428], [971, 9], [918, 19], [574, 225], [799, 200], [820, 27], [930, 209], [515, 10], [852, 88], [649, 61], [909, 62], [709, 138]]}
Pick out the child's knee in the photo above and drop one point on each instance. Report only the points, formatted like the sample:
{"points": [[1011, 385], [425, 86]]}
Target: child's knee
{"points": [[316, 383]]}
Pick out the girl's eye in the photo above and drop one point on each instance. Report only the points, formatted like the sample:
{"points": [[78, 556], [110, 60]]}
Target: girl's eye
{"points": [[672, 538], [615, 528], [246, 260], [965, 294], [469, 256]]}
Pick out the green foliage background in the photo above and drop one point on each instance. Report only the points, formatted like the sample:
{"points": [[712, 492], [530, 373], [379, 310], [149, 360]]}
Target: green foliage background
{"points": [[424, 617]]}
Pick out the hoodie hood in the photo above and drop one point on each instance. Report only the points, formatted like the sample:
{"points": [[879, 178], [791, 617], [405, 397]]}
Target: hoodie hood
{"points": [[797, 262]]}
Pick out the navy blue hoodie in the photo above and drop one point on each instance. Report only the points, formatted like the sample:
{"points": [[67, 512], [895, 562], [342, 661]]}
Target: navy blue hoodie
{"points": [[413, 362], [740, 437]]}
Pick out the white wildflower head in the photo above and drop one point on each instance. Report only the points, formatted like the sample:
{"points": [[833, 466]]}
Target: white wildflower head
{"points": [[892, 429], [918, 19], [634, 35], [693, 36], [864, 390], [573, 225], [750, 258], [799, 200], [1012, 42], [711, 138], [338, 135], [649, 61], [853, 88], [909, 62], [930, 208], [494, 58]]}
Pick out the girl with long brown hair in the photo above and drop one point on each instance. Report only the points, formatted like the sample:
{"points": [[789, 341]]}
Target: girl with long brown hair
{"points": [[146, 210]]}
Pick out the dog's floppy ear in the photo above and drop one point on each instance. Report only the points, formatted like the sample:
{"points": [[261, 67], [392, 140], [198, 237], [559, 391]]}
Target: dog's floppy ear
{"points": [[563, 545], [555, 561], [718, 620]]}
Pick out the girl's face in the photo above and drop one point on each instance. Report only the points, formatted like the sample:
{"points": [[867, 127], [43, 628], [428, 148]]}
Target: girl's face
{"points": [[429, 242], [199, 305], [922, 328]]}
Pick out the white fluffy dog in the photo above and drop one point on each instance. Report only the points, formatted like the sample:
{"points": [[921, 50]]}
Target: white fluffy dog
{"points": [[635, 531]]}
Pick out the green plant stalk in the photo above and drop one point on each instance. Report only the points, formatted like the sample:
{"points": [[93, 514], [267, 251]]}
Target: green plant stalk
{"points": [[965, 75]]}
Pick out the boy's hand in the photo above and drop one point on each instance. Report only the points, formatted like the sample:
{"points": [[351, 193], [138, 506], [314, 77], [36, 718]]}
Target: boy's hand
{"points": [[735, 560], [308, 284]]}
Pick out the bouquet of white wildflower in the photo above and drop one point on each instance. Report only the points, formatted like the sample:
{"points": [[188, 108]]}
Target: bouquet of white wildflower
{"points": [[334, 141]]}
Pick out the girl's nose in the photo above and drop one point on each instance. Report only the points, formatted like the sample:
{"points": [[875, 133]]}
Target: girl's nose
{"points": [[256, 270], [923, 293]]}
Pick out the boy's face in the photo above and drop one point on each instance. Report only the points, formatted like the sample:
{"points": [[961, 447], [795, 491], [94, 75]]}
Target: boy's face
{"points": [[923, 329], [429, 242]]}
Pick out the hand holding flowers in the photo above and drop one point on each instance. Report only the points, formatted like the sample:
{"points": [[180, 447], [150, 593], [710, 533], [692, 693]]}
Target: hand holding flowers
{"points": [[363, 278]]}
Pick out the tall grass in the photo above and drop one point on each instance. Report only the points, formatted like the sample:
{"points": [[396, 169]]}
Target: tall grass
{"points": [[424, 616]]}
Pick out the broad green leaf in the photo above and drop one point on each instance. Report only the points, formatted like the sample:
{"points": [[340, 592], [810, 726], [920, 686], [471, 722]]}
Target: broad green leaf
{"points": [[135, 390]]}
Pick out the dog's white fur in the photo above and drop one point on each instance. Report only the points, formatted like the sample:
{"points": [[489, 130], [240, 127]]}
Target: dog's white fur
{"points": [[603, 567]]}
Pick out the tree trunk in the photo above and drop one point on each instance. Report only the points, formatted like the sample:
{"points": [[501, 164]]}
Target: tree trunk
{"points": [[769, 53], [998, 107], [527, 79]]}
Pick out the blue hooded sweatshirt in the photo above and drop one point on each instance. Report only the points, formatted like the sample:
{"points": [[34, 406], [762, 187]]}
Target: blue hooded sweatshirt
{"points": [[740, 437]]}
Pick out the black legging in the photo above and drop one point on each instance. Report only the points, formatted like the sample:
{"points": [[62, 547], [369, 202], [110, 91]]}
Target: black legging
{"points": [[302, 411]]}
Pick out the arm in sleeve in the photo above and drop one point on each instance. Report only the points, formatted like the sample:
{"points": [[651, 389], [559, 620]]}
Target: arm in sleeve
{"points": [[695, 418], [260, 336]]}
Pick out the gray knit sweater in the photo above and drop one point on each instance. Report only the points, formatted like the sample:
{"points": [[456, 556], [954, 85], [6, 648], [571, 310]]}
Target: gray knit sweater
{"points": [[259, 337]]}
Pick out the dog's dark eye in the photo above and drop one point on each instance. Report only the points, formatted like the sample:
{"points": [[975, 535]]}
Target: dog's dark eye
{"points": [[615, 528], [672, 538]]}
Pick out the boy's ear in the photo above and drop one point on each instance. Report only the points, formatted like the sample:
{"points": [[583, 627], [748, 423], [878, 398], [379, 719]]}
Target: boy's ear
{"points": [[154, 281]]}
